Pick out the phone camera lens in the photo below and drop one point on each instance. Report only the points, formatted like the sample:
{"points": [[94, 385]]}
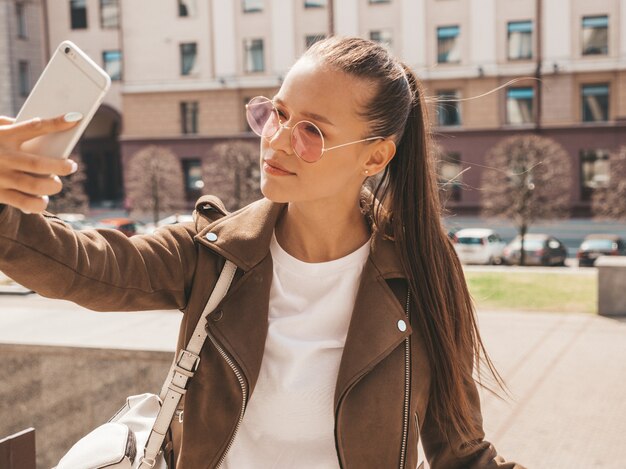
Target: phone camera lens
{"points": [[67, 50]]}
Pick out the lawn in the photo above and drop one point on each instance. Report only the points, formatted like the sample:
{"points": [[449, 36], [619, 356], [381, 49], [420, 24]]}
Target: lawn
{"points": [[535, 291]]}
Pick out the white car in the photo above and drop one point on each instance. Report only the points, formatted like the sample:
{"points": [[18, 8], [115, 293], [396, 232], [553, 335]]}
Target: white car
{"points": [[479, 246]]}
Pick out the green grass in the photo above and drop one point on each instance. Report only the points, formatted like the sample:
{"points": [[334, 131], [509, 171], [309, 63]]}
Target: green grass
{"points": [[555, 292]]}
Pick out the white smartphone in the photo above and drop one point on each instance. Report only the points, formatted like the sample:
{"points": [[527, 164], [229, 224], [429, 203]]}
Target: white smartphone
{"points": [[70, 82]]}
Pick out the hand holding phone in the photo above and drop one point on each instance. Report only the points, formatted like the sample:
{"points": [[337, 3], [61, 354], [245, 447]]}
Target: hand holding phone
{"points": [[26, 179], [71, 82]]}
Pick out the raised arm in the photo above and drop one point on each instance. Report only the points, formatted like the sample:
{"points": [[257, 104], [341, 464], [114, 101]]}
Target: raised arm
{"points": [[98, 269]]}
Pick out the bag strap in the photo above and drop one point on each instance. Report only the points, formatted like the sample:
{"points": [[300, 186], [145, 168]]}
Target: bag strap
{"points": [[182, 370]]}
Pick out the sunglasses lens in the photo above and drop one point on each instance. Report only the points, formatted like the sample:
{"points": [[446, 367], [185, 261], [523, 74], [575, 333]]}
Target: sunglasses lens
{"points": [[262, 117], [307, 141]]}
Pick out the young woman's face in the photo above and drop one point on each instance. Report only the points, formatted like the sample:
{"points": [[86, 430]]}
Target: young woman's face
{"points": [[330, 99]]}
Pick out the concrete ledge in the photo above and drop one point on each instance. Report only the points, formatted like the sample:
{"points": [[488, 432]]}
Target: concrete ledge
{"points": [[65, 392], [611, 283]]}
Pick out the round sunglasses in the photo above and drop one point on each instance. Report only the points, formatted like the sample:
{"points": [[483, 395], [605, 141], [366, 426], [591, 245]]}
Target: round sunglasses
{"points": [[307, 140]]}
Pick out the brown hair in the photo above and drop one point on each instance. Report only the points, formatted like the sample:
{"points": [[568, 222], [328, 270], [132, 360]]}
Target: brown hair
{"points": [[409, 209]]}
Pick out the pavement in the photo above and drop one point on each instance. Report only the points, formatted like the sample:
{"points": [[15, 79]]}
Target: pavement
{"points": [[566, 372]]}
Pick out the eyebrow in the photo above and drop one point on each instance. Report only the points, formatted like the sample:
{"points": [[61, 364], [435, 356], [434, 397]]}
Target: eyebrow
{"points": [[310, 115]]}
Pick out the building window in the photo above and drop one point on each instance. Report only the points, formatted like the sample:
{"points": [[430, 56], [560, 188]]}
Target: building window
{"points": [[186, 8], [449, 175], [520, 40], [519, 105], [24, 77], [595, 35], [252, 6], [382, 36], [594, 171], [595, 103], [112, 60], [78, 14], [448, 112], [315, 3], [254, 55], [192, 172], [448, 46], [313, 38], [188, 54], [20, 18], [189, 117], [109, 14]]}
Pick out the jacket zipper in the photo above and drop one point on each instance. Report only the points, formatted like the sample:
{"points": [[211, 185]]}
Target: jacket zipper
{"points": [[244, 392], [407, 387]]}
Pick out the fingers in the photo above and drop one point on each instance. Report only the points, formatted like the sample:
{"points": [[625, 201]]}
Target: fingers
{"points": [[13, 160], [26, 203], [30, 184], [5, 120], [35, 127]]}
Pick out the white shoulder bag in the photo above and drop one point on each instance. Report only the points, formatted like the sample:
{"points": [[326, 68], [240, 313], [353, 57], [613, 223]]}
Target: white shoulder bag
{"points": [[133, 438]]}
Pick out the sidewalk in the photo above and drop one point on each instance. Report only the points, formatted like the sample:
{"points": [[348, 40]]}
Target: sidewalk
{"points": [[567, 372]]}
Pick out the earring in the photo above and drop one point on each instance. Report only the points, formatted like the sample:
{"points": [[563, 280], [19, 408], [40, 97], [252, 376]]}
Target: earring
{"points": [[366, 172]]}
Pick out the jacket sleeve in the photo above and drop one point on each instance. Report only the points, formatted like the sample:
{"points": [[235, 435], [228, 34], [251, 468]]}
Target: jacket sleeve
{"points": [[100, 269], [452, 452]]}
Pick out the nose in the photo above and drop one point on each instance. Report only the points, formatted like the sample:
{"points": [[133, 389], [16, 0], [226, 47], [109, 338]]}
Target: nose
{"points": [[281, 140]]}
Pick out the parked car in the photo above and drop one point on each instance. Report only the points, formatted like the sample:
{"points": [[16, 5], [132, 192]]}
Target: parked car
{"points": [[596, 245], [126, 225], [78, 221], [539, 249], [478, 246], [171, 220]]}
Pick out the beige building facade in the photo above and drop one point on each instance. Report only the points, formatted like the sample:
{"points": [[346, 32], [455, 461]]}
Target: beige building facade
{"points": [[184, 69]]}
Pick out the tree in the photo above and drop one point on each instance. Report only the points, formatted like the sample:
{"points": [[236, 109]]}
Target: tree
{"points": [[610, 201], [233, 169], [154, 182], [528, 178], [72, 198]]}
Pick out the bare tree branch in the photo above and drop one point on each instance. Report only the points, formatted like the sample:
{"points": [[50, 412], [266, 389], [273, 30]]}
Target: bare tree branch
{"points": [[154, 182], [610, 202]]}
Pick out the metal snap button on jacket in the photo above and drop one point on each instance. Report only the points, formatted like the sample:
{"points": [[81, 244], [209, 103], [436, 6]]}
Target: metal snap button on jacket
{"points": [[211, 237], [401, 325]]}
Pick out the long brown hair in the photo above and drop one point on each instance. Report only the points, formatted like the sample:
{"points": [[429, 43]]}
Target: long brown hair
{"points": [[409, 209]]}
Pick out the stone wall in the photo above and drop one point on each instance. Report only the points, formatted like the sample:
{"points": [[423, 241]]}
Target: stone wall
{"points": [[65, 392]]}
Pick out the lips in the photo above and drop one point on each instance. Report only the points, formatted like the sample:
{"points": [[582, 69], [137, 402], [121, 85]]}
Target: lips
{"points": [[276, 165]]}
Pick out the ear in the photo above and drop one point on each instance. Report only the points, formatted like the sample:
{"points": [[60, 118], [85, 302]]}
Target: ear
{"points": [[379, 157]]}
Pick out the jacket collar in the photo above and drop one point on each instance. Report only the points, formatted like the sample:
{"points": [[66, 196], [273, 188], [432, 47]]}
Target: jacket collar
{"points": [[375, 328], [244, 236]]}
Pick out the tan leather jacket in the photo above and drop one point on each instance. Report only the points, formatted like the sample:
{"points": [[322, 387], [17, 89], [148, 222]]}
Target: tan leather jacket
{"points": [[382, 392]]}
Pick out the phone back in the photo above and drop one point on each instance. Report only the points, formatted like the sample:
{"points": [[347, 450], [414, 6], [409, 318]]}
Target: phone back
{"points": [[70, 82]]}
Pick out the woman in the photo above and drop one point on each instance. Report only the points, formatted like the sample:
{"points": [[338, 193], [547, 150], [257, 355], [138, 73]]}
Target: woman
{"points": [[349, 332]]}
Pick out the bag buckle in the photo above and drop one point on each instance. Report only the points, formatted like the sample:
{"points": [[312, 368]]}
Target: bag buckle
{"points": [[186, 355], [151, 462]]}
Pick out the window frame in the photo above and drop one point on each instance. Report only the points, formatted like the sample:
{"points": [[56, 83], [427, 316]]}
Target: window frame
{"points": [[508, 38], [253, 9], [583, 51], [189, 109], [20, 17], [117, 18], [193, 70], [439, 37], [72, 10], [104, 62], [532, 109], [582, 99], [24, 79], [247, 48], [451, 93]]}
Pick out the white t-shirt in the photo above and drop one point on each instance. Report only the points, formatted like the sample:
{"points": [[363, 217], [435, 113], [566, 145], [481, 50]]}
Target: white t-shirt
{"points": [[289, 419]]}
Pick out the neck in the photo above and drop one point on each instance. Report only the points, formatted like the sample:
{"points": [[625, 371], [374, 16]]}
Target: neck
{"points": [[321, 231]]}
